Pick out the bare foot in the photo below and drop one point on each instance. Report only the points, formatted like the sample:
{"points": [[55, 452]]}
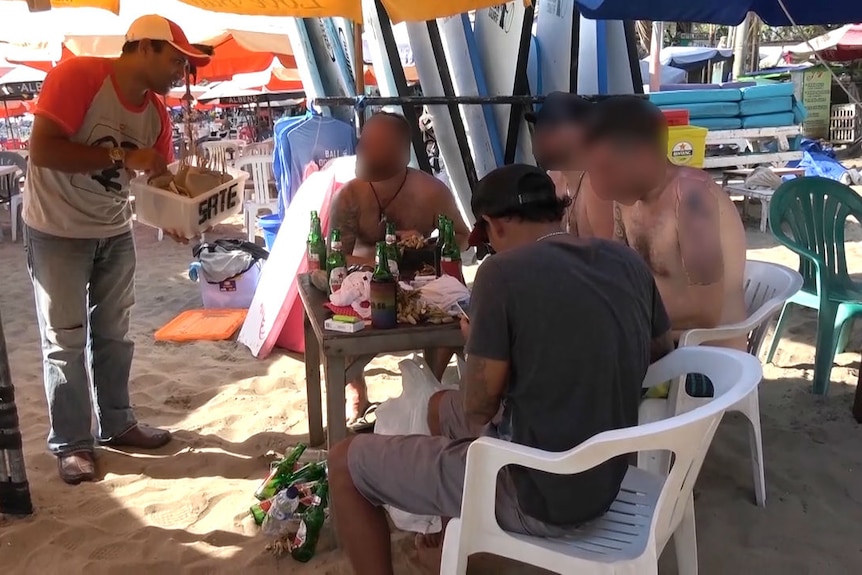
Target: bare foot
{"points": [[357, 400]]}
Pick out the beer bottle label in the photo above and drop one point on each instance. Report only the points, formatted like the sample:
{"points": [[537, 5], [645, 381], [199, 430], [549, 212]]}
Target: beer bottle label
{"points": [[313, 261], [393, 268], [336, 246], [390, 239], [301, 535], [336, 278]]}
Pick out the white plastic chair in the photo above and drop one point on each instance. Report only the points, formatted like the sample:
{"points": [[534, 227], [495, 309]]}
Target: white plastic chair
{"points": [[767, 287], [260, 168], [650, 508], [257, 149], [223, 152]]}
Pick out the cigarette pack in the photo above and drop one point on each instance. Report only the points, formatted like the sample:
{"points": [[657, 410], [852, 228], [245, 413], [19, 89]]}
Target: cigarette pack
{"points": [[343, 327]]}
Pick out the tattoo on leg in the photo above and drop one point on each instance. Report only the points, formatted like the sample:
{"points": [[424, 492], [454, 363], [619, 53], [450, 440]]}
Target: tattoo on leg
{"points": [[479, 403]]}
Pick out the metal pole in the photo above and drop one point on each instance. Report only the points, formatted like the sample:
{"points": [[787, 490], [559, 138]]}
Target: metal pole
{"points": [[361, 102], [655, 56], [14, 489]]}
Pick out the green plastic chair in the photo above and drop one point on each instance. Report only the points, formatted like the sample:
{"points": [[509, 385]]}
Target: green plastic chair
{"points": [[809, 215]]}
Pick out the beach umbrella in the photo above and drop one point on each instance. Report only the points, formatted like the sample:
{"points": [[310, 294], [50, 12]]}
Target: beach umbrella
{"points": [[729, 12], [14, 489], [841, 45]]}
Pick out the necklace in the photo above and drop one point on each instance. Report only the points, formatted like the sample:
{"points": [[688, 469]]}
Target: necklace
{"points": [[382, 207], [550, 235]]}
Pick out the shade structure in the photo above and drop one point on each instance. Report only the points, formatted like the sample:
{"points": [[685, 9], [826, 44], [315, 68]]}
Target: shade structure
{"points": [[729, 12], [399, 10], [841, 45]]}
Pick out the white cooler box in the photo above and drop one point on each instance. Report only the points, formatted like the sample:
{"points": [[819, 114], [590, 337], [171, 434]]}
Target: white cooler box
{"points": [[235, 293], [188, 216]]}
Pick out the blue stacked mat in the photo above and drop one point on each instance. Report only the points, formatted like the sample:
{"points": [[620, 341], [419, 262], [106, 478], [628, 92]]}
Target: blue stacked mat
{"points": [[731, 107]]}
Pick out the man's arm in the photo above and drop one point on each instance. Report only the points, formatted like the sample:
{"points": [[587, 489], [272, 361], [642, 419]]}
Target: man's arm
{"points": [[344, 216], [699, 233], [484, 383], [50, 148]]}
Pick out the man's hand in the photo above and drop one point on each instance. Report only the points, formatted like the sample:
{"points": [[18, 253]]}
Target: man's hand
{"points": [[146, 160], [465, 327]]}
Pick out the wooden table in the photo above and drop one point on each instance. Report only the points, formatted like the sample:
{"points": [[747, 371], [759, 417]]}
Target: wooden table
{"points": [[334, 349]]}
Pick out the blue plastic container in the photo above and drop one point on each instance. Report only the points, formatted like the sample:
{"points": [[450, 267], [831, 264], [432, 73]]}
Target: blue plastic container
{"points": [[269, 225]]}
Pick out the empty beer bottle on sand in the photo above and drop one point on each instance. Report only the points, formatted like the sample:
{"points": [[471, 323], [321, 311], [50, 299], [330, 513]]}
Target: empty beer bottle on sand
{"points": [[280, 476], [309, 473], [450, 253], [336, 263], [392, 249], [316, 246], [313, 518], [384, 291]]}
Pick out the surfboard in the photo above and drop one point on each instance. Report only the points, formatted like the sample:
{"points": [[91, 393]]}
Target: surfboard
{"points": [[503, 35], [468, 77], [344, 32], [328, 57], [303, 53], [433, 71], [580, 55]]}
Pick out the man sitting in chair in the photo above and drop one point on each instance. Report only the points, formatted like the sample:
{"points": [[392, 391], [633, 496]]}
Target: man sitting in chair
{"points": [[561, 333], [684, 225]]}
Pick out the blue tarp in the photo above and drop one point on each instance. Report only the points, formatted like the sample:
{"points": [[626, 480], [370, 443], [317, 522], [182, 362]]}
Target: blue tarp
{"points": [[729, 12], [819, 162]]}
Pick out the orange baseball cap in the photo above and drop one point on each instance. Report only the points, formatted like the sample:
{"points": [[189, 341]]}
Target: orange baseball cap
{"points": [[155, 27]]}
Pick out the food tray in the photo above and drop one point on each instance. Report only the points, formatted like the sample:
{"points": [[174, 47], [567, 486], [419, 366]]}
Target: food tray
{"points": [[188, 216]]}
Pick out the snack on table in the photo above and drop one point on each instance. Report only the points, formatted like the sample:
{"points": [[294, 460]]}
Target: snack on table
{"points": [[412, 310], [190, 180], [412, 243]]}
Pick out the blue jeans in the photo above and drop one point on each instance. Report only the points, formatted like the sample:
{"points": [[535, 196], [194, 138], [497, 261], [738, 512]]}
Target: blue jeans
{"points": [[85, 289]]}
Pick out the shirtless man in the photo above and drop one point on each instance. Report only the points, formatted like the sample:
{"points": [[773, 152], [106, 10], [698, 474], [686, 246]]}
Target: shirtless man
{"points": [[558, 144], [682, 223], [386, 189]]}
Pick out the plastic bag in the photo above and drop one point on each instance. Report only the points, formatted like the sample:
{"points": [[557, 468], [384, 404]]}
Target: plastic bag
{"points": [[407, 414]]}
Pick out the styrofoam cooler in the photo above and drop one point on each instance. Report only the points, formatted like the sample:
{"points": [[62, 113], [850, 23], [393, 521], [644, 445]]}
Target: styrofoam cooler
{"points": [[188, 216], [235, 293]]}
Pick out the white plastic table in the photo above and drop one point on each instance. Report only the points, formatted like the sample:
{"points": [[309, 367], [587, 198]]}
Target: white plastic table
{"points": [[763, 195]]}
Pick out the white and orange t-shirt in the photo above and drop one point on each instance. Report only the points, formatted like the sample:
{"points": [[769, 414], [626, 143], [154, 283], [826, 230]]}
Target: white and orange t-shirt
{"points": [[81, 96]]}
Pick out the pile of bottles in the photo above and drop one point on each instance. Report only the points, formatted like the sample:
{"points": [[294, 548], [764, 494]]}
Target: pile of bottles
{"points": [[293, 502]]}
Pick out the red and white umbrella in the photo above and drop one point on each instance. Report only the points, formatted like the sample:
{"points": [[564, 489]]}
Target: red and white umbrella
{"points": [[840, 45]]}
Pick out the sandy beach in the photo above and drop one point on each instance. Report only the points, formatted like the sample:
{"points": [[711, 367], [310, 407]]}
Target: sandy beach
{"points": [[183, 509]]}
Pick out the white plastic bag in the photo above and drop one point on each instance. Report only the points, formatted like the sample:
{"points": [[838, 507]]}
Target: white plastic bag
{"points": [[407, 414]]}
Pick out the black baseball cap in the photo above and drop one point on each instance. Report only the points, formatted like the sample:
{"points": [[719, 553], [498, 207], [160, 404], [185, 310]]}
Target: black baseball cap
{"points": [[560, 108], [630, 118], [507, 191]]}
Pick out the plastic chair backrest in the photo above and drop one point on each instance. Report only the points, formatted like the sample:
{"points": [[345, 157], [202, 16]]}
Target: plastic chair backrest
{"points": [[260, 168], [734, 374], [809, 215], [767, 286], [13, 159], [260, 148]]}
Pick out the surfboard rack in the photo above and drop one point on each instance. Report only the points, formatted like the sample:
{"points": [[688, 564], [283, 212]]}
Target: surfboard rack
{"points": [[14, 489], [361, 102]]}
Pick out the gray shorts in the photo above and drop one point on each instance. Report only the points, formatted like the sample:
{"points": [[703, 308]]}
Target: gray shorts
{"points": [[424, 474]]}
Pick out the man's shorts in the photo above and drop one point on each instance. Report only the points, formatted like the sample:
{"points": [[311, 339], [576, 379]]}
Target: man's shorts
{"points": [[424, 474]]}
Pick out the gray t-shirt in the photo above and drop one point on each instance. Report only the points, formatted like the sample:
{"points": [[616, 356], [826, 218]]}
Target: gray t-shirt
{"points": [[575, 319]]}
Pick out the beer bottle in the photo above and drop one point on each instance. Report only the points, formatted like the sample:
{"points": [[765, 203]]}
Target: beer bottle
{"points": [[450, 253], [392, 249], [260, 509], [384, 290], [306, 539], [279, 476], [316, 246], [309, 473], [336, 263]]}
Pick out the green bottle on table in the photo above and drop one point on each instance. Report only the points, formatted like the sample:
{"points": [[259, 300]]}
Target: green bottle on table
{"points": [[383, 292], [450, 253], [306, 539], [316, 246], [280, 476], [336, 263], [392, 249]]}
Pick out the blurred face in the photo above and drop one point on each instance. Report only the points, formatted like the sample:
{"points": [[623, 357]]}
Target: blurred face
{"points": [[381, 153], [558, 147], [624, 171], [165, 66]]}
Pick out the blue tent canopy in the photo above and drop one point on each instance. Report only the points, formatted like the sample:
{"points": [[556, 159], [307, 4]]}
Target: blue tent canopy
{"points": [[730, 12]]}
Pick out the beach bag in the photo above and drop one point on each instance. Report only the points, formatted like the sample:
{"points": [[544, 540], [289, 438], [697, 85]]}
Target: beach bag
{"points": [[407, 414], [228, 272]]}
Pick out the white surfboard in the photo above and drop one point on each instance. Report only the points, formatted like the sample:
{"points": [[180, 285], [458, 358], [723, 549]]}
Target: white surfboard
{"points": [[603, 64], [500, 43], [429, 72], [328, 58], [303, 53], [344, 31], [468, 77]]}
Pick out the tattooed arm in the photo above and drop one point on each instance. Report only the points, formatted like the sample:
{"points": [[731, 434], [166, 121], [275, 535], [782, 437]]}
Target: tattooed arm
{"points": [[619, 226], [484, 383], [344, 216]]}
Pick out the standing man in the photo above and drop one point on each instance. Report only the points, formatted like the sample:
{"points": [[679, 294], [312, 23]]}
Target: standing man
{"points": [[559, 144], [386, 188], [97, 121]]}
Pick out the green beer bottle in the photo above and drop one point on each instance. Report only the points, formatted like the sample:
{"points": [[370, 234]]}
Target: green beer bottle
{"points": [[392, 249], [306, 539], [279, 476], [383, 293], [336, 263], [260, 509], [450, 253], [316, 246], [308, 473]]}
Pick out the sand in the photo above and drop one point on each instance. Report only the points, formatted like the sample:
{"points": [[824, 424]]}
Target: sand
{"points": [[183, 509]]}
